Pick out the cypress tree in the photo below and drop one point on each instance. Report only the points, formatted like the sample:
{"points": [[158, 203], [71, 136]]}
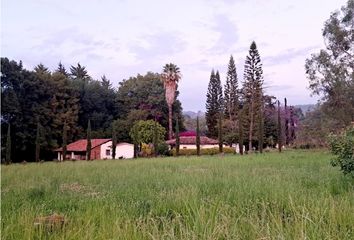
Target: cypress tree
{"points": [[220, 133], [231, 91], [279, 129], [197, 140], [88, 145], [177, 138], [214, 104], [114, 142], [155, 140], [65, 140], [240, 128], [287, 137], [8, 146], [38, 144]]}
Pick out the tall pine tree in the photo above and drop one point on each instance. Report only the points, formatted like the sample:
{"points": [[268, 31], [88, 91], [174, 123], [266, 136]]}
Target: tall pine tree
{"points": [[253, 90], [280, 141], [231, 91], [214, 104]]}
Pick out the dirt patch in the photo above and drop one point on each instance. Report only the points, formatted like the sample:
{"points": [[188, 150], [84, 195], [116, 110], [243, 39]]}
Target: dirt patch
{"points": [[50, 222]]}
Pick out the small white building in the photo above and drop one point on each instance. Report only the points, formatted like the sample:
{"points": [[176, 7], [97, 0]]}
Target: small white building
{"points": [[100, 149], [189, 142]]}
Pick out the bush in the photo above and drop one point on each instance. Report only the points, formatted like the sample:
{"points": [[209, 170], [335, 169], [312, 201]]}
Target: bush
{"points": [[343, 147], [203, 151], [163, 149]]}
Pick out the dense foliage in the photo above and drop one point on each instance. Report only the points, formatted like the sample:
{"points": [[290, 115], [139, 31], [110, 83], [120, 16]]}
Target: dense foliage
{"points": [[343, 147]]}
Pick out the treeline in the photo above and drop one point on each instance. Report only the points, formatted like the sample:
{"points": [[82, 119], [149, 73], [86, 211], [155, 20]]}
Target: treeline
{"points": [[243, 113], [36, 105]]}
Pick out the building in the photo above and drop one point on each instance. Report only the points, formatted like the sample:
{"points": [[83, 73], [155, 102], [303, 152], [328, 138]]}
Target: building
{"points": [[100, 149], [189, 142]]}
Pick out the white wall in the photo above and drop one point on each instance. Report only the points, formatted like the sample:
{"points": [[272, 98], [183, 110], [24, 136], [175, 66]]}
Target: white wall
{"points": [[104, 147], [125, 150], [193, 146]]}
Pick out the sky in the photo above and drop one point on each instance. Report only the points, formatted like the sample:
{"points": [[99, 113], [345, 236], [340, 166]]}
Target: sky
{"points": [[125, 37]]}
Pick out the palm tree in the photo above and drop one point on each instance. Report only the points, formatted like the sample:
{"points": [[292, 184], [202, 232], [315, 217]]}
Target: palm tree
{"points": [[170, 77]]}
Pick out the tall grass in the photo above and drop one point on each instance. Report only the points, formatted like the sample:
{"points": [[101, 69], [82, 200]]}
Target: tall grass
{"points": [[293, 195]]}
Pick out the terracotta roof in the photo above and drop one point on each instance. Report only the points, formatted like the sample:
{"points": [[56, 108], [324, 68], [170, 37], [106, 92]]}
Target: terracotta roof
{"points": [[192, 141], [188, 134], [80, 145]]}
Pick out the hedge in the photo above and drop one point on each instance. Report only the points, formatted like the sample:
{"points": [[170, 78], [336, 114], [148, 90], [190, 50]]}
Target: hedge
{"points": [[203, 151]]}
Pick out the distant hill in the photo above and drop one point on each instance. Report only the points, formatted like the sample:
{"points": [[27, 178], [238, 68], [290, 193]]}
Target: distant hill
{"points": [[193, 115], [306, 107]]}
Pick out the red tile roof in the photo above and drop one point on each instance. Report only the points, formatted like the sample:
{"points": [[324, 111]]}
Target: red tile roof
{"points": [[188, 134], [80, 145], [192, 141]]}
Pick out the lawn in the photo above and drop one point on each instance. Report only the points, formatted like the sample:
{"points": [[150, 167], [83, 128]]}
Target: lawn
{"points": [[292, 195]]}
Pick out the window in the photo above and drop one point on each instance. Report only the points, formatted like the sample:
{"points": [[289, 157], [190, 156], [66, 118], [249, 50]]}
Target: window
{"points": [[108, 152]]}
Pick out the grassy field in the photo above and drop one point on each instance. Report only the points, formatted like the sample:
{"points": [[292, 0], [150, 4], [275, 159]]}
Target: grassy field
{"points": [[293, 195]]}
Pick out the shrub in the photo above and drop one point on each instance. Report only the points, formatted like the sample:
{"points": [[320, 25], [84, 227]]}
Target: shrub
{"points": [[203, 151], [343, 147]]}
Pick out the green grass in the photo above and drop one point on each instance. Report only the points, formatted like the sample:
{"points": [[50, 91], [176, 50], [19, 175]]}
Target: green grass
{"points": [[293, 195]]}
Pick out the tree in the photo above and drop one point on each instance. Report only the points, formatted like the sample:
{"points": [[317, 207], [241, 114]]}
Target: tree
{"points": [[177, 138], [252, 89], [231, 91], [114, 142], [170, 77], [155, 139], [61, 69], [280, 142], [143, 132], [105, 82], [286, 116], [143, 98], [240, 127], [331, 71], [8, 145], [220, 133], [343, 147], [88, 139], [65, 140], [197, 139], [261, 126], [79, 72], [38, 143], [214, 104]]}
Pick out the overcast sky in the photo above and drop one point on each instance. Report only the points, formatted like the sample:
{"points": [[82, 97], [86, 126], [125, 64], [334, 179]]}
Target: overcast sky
{"points": [[126, 37]]}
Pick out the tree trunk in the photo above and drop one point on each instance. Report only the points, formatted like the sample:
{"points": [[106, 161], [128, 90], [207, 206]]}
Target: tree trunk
{"points": [[170, 132], [251, 128]]}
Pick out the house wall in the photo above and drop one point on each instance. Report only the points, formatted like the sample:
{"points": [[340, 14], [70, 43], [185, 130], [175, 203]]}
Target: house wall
{"points": [[104, 147], [125, 150], [193, 146], [96, 153]]}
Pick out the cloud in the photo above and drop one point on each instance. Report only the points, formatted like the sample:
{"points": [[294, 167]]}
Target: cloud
{"points": [[157, 45], [228, 34], [287, 56]]}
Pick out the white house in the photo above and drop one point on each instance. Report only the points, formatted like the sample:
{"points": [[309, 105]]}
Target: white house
{"points": [[100, 149]]}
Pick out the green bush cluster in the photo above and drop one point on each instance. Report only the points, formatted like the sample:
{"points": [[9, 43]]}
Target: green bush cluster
{"points": [[203, 151], [343, 147]]}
